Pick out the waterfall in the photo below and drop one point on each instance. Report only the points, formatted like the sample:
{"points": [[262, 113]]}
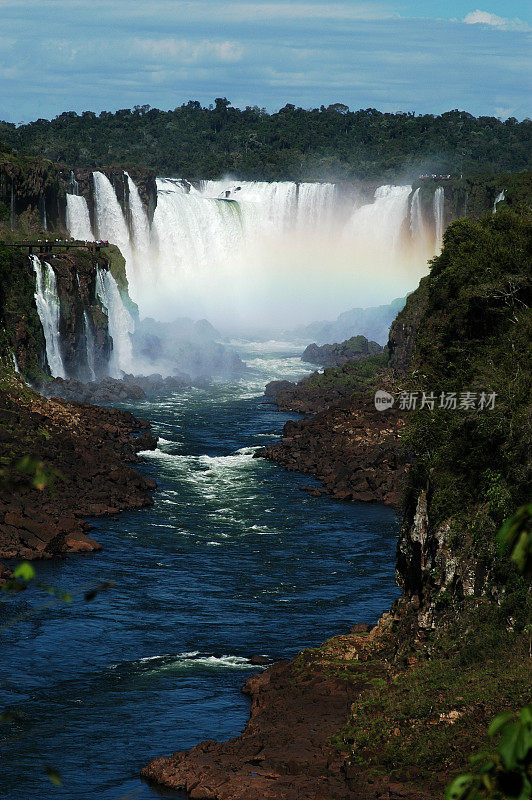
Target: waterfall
{"points": [[78, 219], [110, 223], [15, 363], [42, 212], [48, 308], [379, 224], [315, 204], [439, 198], [89, 344], [500, 197], [120, 323], [416, 216], [248, 253], [139, 219], [193, 231], [74, 185]]}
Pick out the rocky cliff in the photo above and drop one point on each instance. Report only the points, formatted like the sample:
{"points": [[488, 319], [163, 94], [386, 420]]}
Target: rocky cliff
{"points": [[33, 193]]}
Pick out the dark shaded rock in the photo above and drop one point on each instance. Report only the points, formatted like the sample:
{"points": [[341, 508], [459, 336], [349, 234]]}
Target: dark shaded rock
{"points": [[274, 388], [108, 390], [257, 660], [335, 355], [350, 447]]}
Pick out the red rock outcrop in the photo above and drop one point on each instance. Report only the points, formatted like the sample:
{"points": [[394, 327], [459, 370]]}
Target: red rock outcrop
{"points": [[284, 752]]}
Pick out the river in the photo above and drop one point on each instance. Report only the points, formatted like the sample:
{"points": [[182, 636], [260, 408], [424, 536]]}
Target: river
{"points": [[232, 560]]}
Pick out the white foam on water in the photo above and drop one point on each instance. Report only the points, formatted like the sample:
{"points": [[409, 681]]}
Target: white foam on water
{"points": [[187, 661]]}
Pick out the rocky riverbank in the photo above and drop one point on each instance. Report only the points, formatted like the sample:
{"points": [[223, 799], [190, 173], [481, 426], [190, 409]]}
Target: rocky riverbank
{"points": [[352, 448], [297, 761], [62, 462]]}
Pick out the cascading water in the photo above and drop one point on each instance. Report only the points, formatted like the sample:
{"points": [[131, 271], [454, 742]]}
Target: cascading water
{"points": [[48, 308], [77, 218], [416, 216], [89, 344], [439, 198], [315, 204], [110, 223], [74, 185], [120, 323], [139, 219], [500, 197], [381, 222], [264, 254]]}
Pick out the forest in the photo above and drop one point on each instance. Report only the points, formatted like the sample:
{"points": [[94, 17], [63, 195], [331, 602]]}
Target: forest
{"points": [[326, 143]]}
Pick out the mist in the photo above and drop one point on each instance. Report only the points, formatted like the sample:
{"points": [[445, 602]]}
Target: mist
{"points": [[256, 255]]}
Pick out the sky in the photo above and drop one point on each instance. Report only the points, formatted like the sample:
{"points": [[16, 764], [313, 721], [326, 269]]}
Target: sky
{"points": [[426, 56]]}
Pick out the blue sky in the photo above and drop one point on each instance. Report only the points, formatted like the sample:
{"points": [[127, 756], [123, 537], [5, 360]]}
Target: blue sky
{"points": [[417, 55]]}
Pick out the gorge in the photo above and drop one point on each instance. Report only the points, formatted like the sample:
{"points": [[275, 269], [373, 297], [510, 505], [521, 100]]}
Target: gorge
{"points": [[233, 567]]}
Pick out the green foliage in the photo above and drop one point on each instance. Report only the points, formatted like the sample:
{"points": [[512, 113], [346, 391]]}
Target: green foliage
{"points": [[516, 536], [19, 321], [437, 700], [54, 776], [475, 335], [294, 143], [506, 773], [355, 375], [22, 575]]}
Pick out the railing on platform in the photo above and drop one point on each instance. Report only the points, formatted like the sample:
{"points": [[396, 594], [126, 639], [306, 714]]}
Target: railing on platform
{"points": [[44, 247]]}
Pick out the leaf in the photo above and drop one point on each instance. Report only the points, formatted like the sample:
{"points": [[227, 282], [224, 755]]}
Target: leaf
{"points": [[24, 571], [508, 745], [459, 787], [54, 776]]}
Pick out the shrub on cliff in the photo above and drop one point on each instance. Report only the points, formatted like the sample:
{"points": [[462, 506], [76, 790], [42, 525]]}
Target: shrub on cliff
{"points": [[474, 336]]}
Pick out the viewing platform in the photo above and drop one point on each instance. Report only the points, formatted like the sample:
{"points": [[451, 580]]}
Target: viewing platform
{"points": [[40, 247]]}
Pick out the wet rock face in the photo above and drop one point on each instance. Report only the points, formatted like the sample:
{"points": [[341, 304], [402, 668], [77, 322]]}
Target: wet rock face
{"points": [[76, 286], [431, 565], [87, 448]]}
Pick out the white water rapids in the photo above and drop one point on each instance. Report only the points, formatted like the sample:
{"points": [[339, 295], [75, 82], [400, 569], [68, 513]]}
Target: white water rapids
{"points": [[251, 254]]}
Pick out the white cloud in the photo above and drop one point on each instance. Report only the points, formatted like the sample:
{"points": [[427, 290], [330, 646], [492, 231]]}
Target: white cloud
{"points": [[486, 18], [189, 52]]}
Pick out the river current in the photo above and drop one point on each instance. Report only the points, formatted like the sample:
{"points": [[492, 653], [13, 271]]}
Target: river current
{"points": [[232, 560]]}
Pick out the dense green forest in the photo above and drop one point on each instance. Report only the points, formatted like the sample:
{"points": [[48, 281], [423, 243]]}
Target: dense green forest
{"points": [[294, 143]]}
